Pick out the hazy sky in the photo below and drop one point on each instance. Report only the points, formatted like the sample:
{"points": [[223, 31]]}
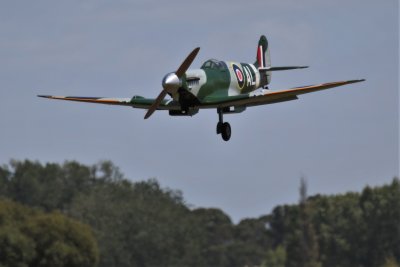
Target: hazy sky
{"points": [[340, 140]]}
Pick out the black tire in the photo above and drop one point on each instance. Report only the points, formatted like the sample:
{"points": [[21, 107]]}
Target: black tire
{"points": [[226, 131], [219, 127]]}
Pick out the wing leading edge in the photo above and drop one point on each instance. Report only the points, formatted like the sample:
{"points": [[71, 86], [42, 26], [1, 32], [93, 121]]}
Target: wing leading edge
{"points": [[135, 102], [98, 100]]}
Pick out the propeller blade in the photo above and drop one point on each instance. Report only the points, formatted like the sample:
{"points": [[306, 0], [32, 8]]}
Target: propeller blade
{"points": [[186, 64], [172, 82], [156, 103]]}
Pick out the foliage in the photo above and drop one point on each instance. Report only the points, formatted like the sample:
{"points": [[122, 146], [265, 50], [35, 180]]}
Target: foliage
{"points": [[351, 229], [302, 245], [391, 262], [275, 258], [29, 237], [142, 224]]}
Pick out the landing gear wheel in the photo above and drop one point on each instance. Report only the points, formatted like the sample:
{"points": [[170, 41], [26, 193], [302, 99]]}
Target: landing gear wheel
{"points": [[223, 128], [219, 127], [226, 131]]}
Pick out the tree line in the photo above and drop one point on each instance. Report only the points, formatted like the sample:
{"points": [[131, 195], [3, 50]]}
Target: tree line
{"points": [[72, 214]]}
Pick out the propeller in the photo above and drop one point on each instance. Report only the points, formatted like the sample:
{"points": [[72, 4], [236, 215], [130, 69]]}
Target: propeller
{"points": [[172, 81]]}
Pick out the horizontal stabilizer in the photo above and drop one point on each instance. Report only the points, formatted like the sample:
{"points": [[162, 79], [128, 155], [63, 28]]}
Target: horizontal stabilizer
{"points": [[282, 68]]}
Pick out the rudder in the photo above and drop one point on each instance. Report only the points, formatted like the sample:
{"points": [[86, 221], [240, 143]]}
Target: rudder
{"points": [[263, 56], [263, 59]]}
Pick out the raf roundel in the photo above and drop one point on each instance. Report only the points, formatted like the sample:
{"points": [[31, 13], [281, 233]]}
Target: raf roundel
{"points": [[239, 75]]}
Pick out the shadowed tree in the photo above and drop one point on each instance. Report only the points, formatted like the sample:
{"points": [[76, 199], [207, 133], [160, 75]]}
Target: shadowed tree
{"points": [[30, 238], [142, 224], [302, 249]]}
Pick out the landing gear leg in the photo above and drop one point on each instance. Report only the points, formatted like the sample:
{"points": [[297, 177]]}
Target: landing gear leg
{"points": [[223, 128], [220, 121]]}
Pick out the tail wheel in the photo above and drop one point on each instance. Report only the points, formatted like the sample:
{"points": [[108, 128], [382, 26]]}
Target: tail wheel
{"points": [[226, 131]]}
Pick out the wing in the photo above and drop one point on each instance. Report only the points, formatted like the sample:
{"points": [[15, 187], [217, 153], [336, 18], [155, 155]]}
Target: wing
{"points": [[135, 102], [269, 97], [251, 99], [98, 100]]}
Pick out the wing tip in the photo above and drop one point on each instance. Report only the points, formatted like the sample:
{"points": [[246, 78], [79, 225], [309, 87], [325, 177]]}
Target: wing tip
{"points": [[357, 81], [44, 96]]}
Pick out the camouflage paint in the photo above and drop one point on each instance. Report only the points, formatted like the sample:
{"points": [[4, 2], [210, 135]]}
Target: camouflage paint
{"points": [[219, 84], [229, 79]]}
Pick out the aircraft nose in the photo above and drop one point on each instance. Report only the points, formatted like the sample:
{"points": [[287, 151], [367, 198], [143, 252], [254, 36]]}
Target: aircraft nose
{"points": [[171, 83]]}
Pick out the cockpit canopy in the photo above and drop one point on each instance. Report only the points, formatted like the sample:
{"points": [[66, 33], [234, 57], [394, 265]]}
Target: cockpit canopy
{"points": [[213, 64]]}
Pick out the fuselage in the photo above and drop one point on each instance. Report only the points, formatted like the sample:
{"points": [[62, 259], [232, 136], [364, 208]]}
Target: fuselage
{"points": [[222, 78]]}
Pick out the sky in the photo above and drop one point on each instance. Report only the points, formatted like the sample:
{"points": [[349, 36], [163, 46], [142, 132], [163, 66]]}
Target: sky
{"points": [[340, 140]]}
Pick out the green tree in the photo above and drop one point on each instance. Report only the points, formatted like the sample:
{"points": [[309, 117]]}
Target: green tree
{"points": [[334, 221], [61, 241], [302, 249], [381, 212], [275, 258], [31, 238], [215, 235], [136, 224], [143, 224], [5, 176], [251, 242]]}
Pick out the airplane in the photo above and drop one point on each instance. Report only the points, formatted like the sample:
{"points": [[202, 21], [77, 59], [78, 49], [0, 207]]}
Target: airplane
{"points": [[229, 87]]}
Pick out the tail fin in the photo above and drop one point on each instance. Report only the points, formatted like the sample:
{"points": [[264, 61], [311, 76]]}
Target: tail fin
{"points": [[263, 62], [263, 57]]}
